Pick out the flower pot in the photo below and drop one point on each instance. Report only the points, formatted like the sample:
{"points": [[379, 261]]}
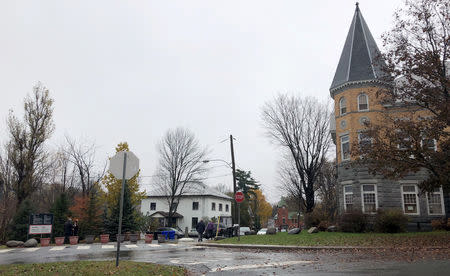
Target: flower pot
{"points": [[104, 238], [73, 240], [127, 236], [90, 239], [148, 238], [45, 241], [59, 241], [121, 237], [134, 238]]}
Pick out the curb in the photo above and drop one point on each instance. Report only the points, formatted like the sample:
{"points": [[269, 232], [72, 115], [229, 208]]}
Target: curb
{"points": [[312, 248]]}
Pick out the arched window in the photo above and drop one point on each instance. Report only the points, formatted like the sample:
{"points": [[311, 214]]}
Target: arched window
{"points": [[343, 106], [363, 102]]}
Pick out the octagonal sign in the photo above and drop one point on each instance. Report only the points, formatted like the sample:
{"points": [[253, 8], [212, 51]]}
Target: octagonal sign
{"points": [[116, 165]]}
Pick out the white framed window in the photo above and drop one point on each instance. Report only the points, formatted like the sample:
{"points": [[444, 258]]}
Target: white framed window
{"points": [[369, 198], [195, 205], [348, 197], [220, 207], [405, 144], [435, 202], [363, 102], [365, 141], [410, 199], [429, 144], [227, 208], [213, 206], [343, 106], [152, 206], [345, 147]]}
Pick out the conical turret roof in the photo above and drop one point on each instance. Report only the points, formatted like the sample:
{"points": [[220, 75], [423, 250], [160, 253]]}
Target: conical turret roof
{"points": [[360, 59]]}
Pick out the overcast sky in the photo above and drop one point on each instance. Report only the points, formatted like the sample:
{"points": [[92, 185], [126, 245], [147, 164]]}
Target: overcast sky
{"points": [[130, 70]]}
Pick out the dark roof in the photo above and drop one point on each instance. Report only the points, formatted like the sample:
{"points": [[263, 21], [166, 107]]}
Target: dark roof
{"points": [[360, 59], [166, 214]]}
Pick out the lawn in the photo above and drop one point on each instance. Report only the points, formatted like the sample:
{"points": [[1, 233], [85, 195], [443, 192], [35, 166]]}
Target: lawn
{"points": [[415, 239], [91, 268]]}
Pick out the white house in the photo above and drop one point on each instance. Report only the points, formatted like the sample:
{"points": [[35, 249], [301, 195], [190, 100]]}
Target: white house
{"points": [[198, 202]]}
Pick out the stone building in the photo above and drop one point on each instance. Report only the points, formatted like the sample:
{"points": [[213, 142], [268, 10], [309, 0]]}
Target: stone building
{"points": [[354, 88]]}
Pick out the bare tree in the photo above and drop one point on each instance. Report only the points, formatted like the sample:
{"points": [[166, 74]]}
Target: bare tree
{"points": [[180, 166], [82, 156], [25, 149], [327, 183], [301, 127]]}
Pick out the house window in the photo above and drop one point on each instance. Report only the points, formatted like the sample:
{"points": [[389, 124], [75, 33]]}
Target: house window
{"points": [[227, 208], [213, 206], [348, 197], [194, 223], [435, 199], [345, 147], [195, 205], [410, 199], [429, 144], [220, 207], [343, 106], [284, 220], [405, 144], [365, 141], [363, 102], [369, 198], [152, 206]]}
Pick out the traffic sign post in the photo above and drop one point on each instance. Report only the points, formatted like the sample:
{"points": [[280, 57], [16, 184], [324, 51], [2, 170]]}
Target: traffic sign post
{"points": [[118, 167], [239, 197]]}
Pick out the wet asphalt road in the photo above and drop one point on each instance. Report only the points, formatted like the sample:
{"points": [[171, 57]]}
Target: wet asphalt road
{"points": [[219, 261]]}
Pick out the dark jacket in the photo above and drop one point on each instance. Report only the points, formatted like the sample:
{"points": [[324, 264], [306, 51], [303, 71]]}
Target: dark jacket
{"points": [[200, 227], [68, 227]]}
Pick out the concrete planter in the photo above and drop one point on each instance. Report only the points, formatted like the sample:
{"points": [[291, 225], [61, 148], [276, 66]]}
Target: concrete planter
{"points": [[134, 238], [73, 240], [59, 241], [121, 237], [90, 239], [148, 238], [104, 238], [45, 241]]}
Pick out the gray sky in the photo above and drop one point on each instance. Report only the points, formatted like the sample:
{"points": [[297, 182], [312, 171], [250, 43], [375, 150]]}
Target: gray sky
{"points": [[130, 70]]}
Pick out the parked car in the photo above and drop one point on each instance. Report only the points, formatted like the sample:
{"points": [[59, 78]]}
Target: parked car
{"points": [[193, 233], [178, 233], [244, 229], [262, 231]]}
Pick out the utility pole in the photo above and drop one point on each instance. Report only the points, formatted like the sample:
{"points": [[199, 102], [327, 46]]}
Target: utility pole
{"points": [[233, 166]]}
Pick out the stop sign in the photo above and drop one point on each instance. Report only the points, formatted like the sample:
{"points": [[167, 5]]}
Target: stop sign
{"points": [[239, 197], [116, 165]]}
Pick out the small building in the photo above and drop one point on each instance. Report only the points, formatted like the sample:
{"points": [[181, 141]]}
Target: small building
{"points": [[198, 202], [285, 219]]}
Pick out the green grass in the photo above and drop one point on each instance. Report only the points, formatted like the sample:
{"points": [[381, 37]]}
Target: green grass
{"points": [[415, 239], [91, 268]]}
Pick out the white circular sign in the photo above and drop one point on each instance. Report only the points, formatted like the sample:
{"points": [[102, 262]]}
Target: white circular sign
{"points": [[116, 165]]}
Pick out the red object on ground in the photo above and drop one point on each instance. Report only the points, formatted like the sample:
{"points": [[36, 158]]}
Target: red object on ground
{"points": [[73, 240], [239, 197], [45, 241], [59, 240], [104, 238], [148, 238]]}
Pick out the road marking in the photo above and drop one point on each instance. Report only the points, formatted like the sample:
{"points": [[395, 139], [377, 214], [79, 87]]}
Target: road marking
{"points": [[57, 248], [5, 250], [107, 246], [83, 247], [31, 249], [131, 246], [251, 266], [171, 244], [154, 245]]}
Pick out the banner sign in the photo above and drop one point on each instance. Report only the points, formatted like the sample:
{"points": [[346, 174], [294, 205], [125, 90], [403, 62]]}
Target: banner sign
{"points": [[40, 224]]}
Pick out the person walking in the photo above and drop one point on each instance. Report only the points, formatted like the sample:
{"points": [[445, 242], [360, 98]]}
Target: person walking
{"points": [[68, 229], [75, 228], [200, 229], [210, 230]]}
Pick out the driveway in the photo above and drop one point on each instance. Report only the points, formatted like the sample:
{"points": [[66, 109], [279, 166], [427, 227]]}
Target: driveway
{"points": [[201, 260]]}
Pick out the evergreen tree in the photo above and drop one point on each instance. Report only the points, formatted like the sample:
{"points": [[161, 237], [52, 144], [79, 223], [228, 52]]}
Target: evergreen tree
{"points": [[19, 226], [129, 222], [61, 212]]}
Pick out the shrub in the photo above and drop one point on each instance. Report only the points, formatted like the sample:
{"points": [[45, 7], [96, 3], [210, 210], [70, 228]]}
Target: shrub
{"points": [[390, 221], [19, 226], [354, 221], [314, 218], [440, 224]]}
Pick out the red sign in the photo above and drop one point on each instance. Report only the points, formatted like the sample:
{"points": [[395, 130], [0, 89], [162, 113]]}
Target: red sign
{"points": [[239, 197]]}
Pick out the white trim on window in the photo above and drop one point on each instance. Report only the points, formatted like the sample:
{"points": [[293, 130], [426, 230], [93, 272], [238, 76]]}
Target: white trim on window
{"points": [[342, 106], [434, 147], [411, 196], [359, 102], [348, 191], [440, 195], [345, 139], [367, 191]]}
